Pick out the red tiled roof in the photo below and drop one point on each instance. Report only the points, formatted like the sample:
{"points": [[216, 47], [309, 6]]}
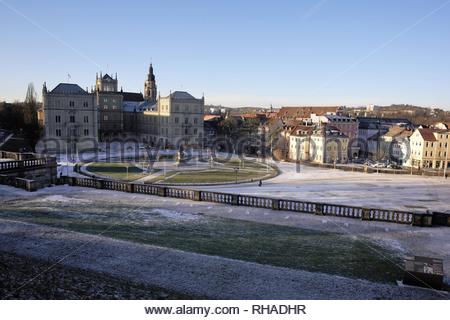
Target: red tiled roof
{"points": [[208, 117], [427, 134], [299, 129], [305, 112]]}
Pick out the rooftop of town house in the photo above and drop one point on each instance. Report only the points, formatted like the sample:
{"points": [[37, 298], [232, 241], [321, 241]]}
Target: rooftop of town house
{"points": [[398, 132], [211, 117], [302, 130], [427, 134]]}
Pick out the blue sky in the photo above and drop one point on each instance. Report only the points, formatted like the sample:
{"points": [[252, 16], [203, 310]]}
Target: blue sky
{"points": [[239, 53]]}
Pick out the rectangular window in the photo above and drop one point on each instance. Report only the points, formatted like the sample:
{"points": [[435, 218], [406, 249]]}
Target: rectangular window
{"points": [[86, 132], [186, 120], [71, 103], [58, 119], [58, 132], [86, 119], [195, 121], [176, 120], [72, 119], [105, 118]]}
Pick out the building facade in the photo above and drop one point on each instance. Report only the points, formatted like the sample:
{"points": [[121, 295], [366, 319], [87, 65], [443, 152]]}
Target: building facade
{"points": [[70, 118], [175, 119], [299, 143], [71, 114], [429, 148], [329, 145], [319, 144], [109, 102]]}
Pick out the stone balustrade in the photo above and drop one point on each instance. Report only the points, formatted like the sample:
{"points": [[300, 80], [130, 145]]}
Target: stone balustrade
{"points": [[425, 219]]}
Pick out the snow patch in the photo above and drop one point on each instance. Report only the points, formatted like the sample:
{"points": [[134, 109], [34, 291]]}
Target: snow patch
{"points": [[64, 199], [176, 215]]}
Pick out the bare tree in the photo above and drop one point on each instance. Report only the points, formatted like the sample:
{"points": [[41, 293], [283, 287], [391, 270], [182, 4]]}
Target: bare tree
{"points": [[30, 107]]}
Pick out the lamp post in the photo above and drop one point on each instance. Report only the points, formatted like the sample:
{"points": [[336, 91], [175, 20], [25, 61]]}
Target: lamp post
{"points": [[446, 157]]}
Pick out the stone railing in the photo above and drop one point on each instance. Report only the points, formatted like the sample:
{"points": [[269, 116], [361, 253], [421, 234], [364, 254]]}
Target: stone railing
{"points": [[26, 184], [20, 156], [425, 219], [17, 165]]}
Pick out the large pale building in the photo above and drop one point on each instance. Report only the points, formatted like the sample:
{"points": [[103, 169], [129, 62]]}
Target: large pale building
{"points": [[429, 148], [322, 144], [329, 145], [174, 120], [72, 115], [299, 143], [70, 118]]}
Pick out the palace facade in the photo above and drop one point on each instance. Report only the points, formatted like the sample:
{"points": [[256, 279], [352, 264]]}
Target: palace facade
{"points": [[72, 114]]}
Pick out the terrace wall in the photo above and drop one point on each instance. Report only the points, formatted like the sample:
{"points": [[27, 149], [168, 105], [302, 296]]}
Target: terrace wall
{"points": [[423, 219]]}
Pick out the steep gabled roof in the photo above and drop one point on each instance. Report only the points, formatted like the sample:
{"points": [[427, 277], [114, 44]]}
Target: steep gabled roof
{"points": [[427, 134], [70, 88], [107, 77]]}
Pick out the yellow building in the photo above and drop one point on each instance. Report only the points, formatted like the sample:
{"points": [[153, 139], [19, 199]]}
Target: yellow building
{"points": [[429, 148]]}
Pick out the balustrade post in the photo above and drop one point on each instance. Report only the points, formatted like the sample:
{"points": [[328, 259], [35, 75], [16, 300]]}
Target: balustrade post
{"points": [[130, 187], [197, 195], [71, 181], [319, 209], [417, 219], [427, 219], [365, 214], [275, 204], [162, 191], [99, 184], [235, 199]]}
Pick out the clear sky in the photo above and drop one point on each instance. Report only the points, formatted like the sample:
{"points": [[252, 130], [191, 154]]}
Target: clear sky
{"points": [[239, 53]]}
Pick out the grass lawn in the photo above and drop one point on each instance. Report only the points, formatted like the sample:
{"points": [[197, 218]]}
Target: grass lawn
{"points": [[282, 246], [116, 171], [245, 164], [213, 175]]}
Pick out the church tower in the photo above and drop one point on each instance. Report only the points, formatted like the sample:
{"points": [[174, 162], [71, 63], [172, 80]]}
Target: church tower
{"points": [[150, 86]]}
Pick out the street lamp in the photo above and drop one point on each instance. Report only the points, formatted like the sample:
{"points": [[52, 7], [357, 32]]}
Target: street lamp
{"points": [[446, 158]]}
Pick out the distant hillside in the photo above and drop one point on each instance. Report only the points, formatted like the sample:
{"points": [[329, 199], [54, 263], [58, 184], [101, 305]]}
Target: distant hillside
{"points": [[416, 114]]}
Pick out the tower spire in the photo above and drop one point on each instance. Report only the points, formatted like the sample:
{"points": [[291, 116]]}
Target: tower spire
{"points": [[150, 90]]}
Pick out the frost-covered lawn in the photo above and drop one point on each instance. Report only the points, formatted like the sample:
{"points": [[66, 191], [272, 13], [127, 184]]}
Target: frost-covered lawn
{"points": [[64, 282], [118, 216]]}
